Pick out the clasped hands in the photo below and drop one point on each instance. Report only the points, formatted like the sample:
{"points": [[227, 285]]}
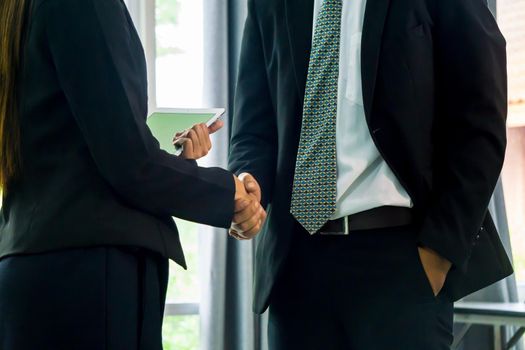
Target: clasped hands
{"points": [[249, 215]]}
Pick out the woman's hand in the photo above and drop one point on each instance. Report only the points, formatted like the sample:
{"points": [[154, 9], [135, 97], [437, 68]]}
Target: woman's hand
{"points": [[196, 142]]}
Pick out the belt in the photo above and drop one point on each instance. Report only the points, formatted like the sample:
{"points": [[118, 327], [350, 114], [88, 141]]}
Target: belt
{"points": [[376, 218]]}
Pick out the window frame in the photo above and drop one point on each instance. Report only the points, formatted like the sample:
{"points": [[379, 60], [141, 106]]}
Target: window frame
{"points": [[143, 15]]}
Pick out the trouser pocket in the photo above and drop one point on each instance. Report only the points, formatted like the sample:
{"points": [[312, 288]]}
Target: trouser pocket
{"points": [[422, 275]]}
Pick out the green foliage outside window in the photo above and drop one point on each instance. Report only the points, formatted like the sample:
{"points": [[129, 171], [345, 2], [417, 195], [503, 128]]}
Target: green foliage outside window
{"points": [[182, 332], [167, 12]]}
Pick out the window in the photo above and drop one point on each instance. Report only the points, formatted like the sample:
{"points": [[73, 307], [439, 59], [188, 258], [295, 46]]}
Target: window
{"points": [[178, 83], [179, 60], [172, 34], [510, 17]]}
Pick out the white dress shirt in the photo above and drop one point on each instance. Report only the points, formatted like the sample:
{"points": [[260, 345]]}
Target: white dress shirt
{"points": [[364, 179]]}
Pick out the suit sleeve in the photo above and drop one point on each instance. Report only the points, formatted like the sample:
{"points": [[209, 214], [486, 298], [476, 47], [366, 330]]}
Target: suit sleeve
{"points": [[100, 66], [470, 131], [254, 132]]}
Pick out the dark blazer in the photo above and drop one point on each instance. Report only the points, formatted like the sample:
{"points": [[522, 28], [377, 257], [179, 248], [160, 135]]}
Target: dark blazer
{"points": [[434, 91], [93, 174]]}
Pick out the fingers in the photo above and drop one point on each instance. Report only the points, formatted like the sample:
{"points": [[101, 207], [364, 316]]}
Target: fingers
{"points": [[248, 219], [200, 138], [240, 190], [215, 126], [204, 138], [249, 224], [207, 139], [178, 136], [254, 230], [244, 212], [188, 145], [238, 236], [251, 185], [247, 235], [242, 204], [264, 216], [249, 215], [194, 136]]}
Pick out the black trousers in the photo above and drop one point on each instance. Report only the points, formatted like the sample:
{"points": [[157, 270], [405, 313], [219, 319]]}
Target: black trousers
{"points": [[365, 291], [93, 299]]}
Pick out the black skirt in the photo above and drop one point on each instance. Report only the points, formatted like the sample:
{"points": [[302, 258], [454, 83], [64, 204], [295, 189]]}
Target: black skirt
{"points": [[94, 298]]}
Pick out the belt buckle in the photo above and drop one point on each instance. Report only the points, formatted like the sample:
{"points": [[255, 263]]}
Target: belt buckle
{"points": [[347, 225], [346, 232]]}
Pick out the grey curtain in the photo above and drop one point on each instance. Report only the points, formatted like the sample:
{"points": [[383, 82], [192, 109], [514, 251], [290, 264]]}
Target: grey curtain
{"points": [[227, 322]]}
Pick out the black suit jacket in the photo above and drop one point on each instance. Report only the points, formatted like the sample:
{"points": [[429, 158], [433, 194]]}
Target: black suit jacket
{"points": [[434, 91], [93, 174]]}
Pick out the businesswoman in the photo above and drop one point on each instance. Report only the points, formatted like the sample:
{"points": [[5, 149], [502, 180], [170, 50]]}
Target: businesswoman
{"points": [[88, 196]]}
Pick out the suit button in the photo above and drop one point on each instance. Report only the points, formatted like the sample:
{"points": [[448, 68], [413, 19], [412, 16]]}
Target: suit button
{"points": [[482, 229]]}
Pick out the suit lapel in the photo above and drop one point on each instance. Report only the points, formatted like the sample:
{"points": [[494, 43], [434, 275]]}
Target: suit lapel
{"points": [[374, 23], [299, 20]]}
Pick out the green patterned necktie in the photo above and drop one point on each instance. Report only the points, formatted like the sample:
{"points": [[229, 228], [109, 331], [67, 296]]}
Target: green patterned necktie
{"points": [[315, 183]]}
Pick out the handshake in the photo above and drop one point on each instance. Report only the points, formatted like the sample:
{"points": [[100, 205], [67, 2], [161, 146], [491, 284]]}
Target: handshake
{"points": [[249, 215]]}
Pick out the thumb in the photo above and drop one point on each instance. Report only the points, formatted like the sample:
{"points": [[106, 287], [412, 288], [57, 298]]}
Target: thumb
{"points": [[251, 186], [249, 182], [215, 126]]}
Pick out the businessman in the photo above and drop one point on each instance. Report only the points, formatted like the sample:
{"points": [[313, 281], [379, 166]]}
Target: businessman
{"points": [[374, 133]]}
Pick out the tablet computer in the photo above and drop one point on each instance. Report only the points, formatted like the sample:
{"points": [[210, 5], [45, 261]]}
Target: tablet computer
{"points": [[166, 122]]}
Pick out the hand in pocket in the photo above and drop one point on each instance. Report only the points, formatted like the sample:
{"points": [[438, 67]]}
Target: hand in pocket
{"points": [[436, 268]]}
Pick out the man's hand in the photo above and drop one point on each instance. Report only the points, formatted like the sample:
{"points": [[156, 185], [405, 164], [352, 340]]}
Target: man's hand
{"points": [[251, 185], [196, 141], [249, 215], [436, 268]]}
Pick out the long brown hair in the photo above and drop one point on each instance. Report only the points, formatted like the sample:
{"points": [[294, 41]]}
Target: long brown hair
{"points": [[13, 16]]}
